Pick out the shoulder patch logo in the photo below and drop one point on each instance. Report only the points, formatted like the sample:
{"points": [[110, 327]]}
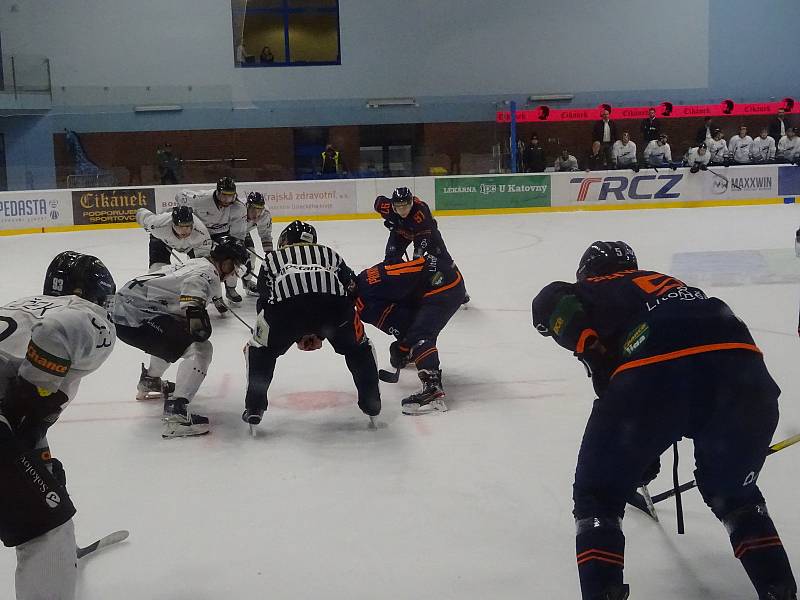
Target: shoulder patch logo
{"points": [[635, 339]]}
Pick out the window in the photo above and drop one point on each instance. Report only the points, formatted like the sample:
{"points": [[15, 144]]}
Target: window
{"points": [[285, 33]]}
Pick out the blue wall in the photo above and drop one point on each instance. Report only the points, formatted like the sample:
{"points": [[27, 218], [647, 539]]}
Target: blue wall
{"points": [[459, 58]]}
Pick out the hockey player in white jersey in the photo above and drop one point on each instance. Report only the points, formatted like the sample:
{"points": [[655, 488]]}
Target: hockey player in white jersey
{"points": [[717, 148], [252, 215], [213, 208], [789, 147], [164, 314], [739, 147], [657, 153], [177, 230], [47, 344], [762, 150], [697, 158]]}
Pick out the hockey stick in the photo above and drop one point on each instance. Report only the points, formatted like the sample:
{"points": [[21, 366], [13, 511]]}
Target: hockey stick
{"points": [[777, 447], [241, 320], [256, 254], [103, 542], [724, 178], [388, 376]]}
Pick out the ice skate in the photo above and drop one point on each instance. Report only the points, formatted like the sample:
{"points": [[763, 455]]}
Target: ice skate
{"points": [[430, 399], [617, 592], [153, 388], [780, 593], [232, 295], [250, 286], [252, 416], [178, 422]]}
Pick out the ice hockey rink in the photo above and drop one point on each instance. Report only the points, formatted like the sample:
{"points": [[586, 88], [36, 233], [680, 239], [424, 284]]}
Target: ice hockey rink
{"points": [[474, 503]]}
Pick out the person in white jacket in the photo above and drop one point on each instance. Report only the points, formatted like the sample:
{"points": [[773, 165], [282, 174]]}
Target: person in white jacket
{"points": [[658, 153], [623, 152], [177, 230], [717, 147], [739, 147], [697, 158], [789, 147], [763, 148]]}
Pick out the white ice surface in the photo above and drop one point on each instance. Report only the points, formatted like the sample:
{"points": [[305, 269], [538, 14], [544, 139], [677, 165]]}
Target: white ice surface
{"points": [[471, 504]]}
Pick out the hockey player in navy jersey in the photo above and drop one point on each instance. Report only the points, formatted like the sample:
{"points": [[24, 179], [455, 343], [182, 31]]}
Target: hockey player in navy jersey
{"points": [[412, 301], [410, 222], [666, 362], [304, 299], [48, 344]]}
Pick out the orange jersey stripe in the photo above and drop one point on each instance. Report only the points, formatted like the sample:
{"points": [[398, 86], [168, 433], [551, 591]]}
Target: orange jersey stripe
{"points": [[445, 288], [406, 271], [385, 314], [685, 352]]}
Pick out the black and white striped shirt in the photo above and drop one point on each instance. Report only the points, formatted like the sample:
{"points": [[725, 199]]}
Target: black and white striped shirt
{"points": [[300, 269]]}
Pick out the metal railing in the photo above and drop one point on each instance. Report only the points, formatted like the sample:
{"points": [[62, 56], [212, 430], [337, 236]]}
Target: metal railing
{"points": [[25, 74]]}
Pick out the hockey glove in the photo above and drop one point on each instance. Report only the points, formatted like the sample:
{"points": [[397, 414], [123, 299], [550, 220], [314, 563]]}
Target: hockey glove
{"points": [[30, 410], [390, 225], [398, 355], [199, 323]]}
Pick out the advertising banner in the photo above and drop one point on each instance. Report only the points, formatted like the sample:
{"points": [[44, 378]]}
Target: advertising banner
{"points": [[626, 186], [110, 206], [465, 193], [25, 210], [789, 181], [664, 110], [285, 198], [740, 182]]}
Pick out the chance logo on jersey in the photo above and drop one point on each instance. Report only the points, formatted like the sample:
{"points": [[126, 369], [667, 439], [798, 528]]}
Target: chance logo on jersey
{"points": [[44, 361], [636, 338]]}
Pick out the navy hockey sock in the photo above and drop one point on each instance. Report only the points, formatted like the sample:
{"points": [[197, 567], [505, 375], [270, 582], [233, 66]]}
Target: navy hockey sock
{"points": [[756, 543], [600, 553]]}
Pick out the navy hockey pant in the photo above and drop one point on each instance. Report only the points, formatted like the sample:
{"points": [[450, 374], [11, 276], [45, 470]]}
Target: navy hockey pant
{"points": [[726, 401]]}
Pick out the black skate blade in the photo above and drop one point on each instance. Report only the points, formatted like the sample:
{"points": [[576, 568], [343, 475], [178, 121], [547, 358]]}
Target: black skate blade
{"points": [[388, 376], [639, 501]]}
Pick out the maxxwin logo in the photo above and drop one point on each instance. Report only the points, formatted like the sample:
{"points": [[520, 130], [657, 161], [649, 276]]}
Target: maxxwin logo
{"points": [[620, 187], [740, 184]]}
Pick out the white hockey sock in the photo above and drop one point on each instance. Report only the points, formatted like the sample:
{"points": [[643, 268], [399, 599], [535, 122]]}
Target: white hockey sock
{"points": [[158, 366], [192, 370], [47, 567]]}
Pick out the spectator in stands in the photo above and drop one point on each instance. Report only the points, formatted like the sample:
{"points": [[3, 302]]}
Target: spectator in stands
{"points": [[566, 162], [717, 147], [331, 161], [657, 153], [266, 56], [778, 126], [697, 158], [789, 147], [650, 127], [168, 165], [623, 153], [605, 132], [534, 156], [241, 54], [596, 159], [705, 132], [762, 149], [739, 147]]}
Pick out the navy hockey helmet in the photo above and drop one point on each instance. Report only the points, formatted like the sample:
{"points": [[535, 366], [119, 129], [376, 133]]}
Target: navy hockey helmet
{"points": [[256, 200], [83, 275], [297, 232], [229, 247], [402, 195], [226, 185], [182, 215], [605, 258]]}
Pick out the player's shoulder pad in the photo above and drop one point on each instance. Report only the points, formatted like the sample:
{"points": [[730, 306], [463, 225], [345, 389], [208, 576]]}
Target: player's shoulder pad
{"points": [[383, 205]]}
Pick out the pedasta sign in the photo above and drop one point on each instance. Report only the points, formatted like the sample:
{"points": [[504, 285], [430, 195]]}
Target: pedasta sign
{"points": [[518, 191], [25, 210]]}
